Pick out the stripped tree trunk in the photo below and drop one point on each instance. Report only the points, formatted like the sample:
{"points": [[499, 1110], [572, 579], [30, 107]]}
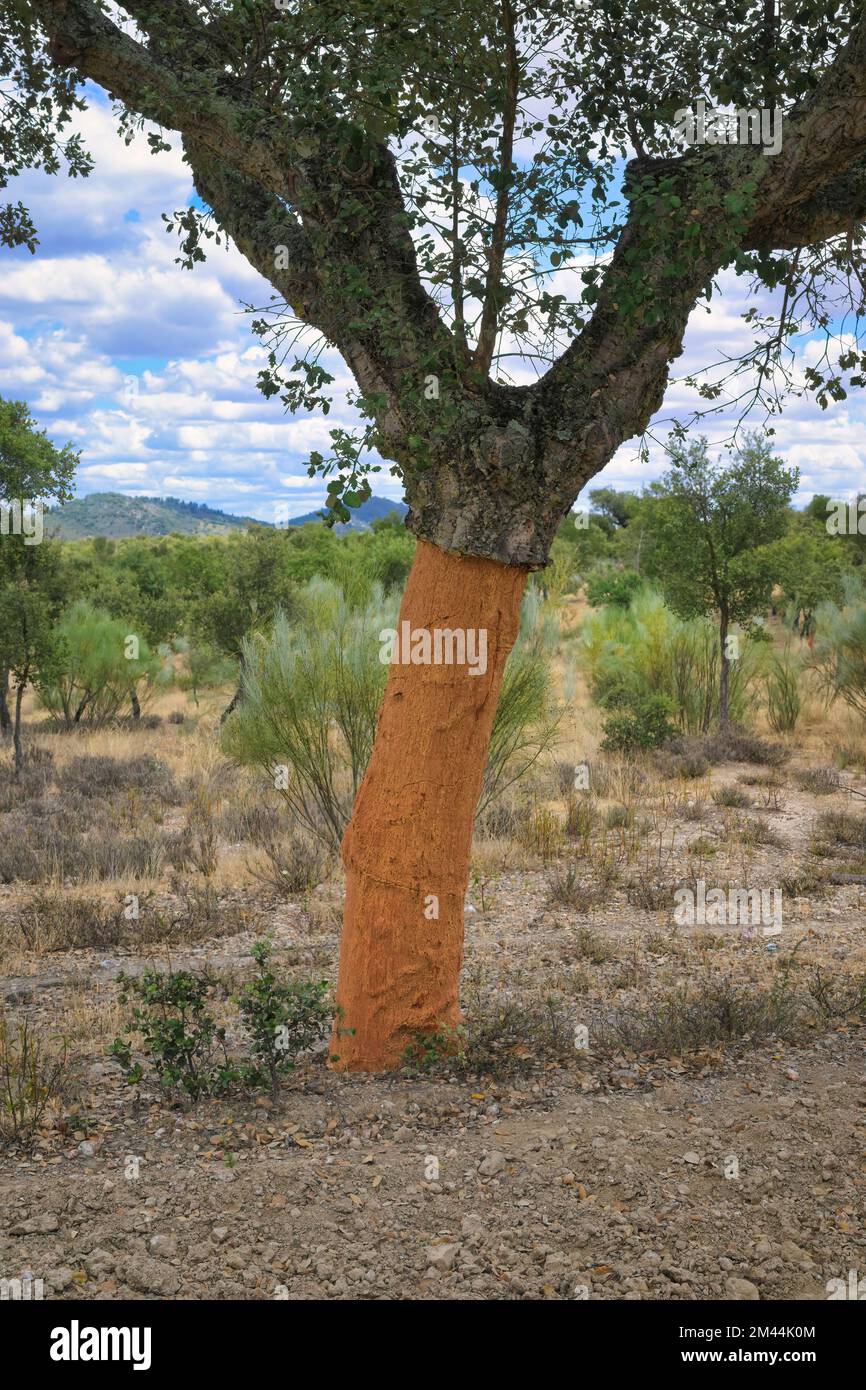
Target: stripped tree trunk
{"points": [[406, 850]]}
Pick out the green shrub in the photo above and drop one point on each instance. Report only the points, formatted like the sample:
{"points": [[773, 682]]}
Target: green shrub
{"points": [[283, 1018], [96, 676], [646, 650], [646, 725], [180, 1038], [615, 587], [187, 1050], [783, 692], [311, 692], [34, 1074], [839, 651]]}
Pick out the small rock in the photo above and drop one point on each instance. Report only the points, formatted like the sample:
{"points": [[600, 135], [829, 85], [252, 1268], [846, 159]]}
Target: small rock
{"points": [[442, 1257], [163, 1245], [149, 1276], [40, 1225], [742, 1289], [492, 1164]]}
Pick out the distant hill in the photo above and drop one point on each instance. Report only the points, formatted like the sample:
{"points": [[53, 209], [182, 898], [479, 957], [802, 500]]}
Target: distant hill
{"points": [[362, 517], [116, 516]]}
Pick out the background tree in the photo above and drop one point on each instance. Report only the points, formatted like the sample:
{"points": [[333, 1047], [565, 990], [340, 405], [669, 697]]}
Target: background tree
{"points": [[708, 525], [31, 469], [31, 599], [413, 178], [95, 668], [809, 569], [253, 586]]}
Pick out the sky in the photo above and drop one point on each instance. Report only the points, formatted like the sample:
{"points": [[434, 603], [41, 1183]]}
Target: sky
{"points": [[150, 370]]}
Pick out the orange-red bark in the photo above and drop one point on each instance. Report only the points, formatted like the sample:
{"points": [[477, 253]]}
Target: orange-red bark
{"points": [[406, 850]]}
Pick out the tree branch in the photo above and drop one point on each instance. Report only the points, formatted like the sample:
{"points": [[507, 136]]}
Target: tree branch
{"points": [[81, 36], [490, 312]]}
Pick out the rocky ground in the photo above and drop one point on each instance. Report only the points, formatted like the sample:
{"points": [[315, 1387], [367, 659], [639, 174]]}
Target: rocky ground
{"points": [[737, 1171], [645, 1109], [746, 1184]]}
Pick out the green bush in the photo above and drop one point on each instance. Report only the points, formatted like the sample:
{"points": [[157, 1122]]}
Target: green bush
{"points": [[614, 587], [311, 692], [283, 1018], [783, 692], [646, 724], [34, 1074], [96, 676], [181, 1041], [645, 649], [311, 695], [839, 650], [180, 1038]]}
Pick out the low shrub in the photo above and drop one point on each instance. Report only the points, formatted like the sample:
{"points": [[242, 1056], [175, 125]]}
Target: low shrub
{"points": [[180, 1038], [35, 1074], [283, 1019], [730, 746], [647, 724]]}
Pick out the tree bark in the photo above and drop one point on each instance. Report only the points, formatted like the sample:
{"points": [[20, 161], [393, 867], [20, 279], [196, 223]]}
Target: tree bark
{"points": [[724, 674], [135, 703], [239, 690], [406, 849], [5, 717], [21, 686]]}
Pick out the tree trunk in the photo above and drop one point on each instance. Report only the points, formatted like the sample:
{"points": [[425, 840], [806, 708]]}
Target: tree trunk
{"points": [[19, 696], [134, 701], [5, 717], [724, 675], [232, 704], [406, 849]]}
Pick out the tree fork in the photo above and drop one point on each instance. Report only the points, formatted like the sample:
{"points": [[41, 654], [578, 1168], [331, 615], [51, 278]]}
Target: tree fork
{"points": [[406, 850]]}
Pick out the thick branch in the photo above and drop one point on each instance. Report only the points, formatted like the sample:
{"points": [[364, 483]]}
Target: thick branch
{"points": [[496, 263], [835, 211], [82, 37], [260, 225]]}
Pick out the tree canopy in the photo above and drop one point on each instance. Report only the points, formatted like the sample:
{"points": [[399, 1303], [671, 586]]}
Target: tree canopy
{"points": [[452, 195]]}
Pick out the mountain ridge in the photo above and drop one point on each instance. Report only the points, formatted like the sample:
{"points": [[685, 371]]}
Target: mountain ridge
{"points": [[119, 516]]}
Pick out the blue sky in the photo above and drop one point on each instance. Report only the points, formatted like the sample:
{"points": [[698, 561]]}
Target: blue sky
{"points": [[151, 370]]}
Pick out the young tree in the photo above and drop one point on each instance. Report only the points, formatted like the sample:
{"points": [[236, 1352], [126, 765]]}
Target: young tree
{"points": [[31, 597], [810, 570], [31, 470], [415, 179], [708, 525], [98, 666], [254, 586]]}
